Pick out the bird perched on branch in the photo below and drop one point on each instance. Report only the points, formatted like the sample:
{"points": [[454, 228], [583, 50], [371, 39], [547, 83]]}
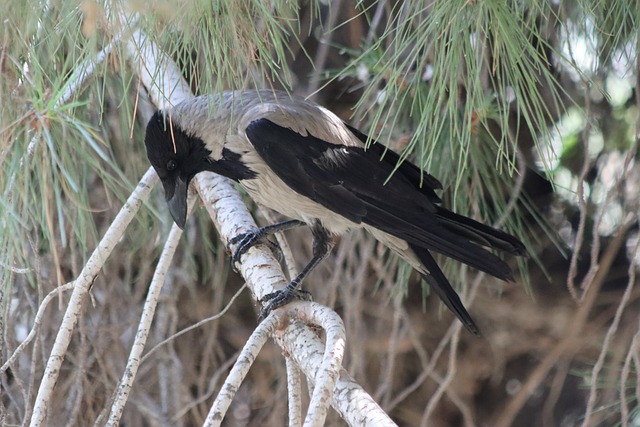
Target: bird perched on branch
{"points": [[301, 160]]}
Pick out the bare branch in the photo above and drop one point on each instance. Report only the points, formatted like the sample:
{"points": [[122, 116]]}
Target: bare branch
{"points": [[354, 405], [36, 323], [240, 369], [144, 326], [294, 391], [81, 289], [567, 346], [613, 328]]}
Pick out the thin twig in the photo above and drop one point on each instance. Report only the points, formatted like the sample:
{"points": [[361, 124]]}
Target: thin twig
{"points": [[634, 347], [451, 370], [613, 328], [375, 22], [323, 48], [37, 321], [555, 391], [240, 369], [327, 374], [453, 338], [196, 325], [144, 326], [568, 345], [427, 371], [384, 392], [210, 389], [582, 206]]}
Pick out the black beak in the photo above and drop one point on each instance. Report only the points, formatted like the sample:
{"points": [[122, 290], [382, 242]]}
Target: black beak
{"points": [[176, 194]]}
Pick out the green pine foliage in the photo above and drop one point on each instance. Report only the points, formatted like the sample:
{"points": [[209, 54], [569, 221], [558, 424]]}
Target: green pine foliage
{"points": [[478, 93]]}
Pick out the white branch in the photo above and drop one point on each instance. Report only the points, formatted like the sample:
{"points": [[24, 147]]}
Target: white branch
{"points": [[81, 289], [157, 72], [76, 81], [240, 369], [37, 321], [144, 326], [294, 393], [354, 404], [327, 374]]}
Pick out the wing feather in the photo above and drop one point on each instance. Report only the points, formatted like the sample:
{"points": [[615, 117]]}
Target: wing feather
{"points": [[366, 186]]}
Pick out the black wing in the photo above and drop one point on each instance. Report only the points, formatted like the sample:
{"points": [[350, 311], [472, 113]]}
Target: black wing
{"points": [[366, 188], [458, 224], [408, 170]]}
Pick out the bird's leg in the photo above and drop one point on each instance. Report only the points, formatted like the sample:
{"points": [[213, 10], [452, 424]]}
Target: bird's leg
{"points": [[322, 245], [244, 241]]}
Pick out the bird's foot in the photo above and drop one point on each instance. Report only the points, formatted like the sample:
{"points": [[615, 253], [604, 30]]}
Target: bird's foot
{"points": [[282, 297], [244, 241]]}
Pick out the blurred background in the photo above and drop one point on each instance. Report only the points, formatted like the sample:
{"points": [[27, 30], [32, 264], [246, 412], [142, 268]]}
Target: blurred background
{"points": [[527, 112]]}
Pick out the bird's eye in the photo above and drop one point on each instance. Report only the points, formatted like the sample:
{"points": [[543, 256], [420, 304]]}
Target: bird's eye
{"points": [[171, 165]]}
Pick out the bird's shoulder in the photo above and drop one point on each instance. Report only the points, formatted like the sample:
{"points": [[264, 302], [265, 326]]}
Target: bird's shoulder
{"points": [[301, 116]]}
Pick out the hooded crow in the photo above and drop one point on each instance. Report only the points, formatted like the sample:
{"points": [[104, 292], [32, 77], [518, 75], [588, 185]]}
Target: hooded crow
{"points": [[300, 159]]}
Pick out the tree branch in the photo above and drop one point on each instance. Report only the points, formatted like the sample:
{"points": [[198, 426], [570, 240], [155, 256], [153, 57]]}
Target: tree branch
{"points": [[81, 289]]}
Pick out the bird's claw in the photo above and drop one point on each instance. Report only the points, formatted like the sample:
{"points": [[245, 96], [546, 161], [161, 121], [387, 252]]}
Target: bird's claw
{"points": [[244, 241], [281, 297]]}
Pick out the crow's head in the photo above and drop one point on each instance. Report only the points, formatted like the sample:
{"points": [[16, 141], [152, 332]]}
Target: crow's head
{"points": [[177, 157]]}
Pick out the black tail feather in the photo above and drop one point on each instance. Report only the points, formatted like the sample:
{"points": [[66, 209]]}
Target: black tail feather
{"points": [[444, 290], [477, 232], [461, 240]]}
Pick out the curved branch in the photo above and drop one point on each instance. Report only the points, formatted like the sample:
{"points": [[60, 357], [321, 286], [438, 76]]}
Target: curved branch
{"points": [[144, 326], [240, 369], [37, 321], [81, 289]]}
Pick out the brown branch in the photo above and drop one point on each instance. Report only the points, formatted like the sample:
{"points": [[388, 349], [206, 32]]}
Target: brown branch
{"points": [[567, 347]]}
